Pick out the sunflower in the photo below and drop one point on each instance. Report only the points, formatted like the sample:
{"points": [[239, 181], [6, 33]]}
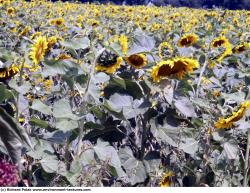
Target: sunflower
{"points": [[220, 41], [165, 50], [36, 34], [225, 44], [166, 181], [25, 30], [94, 23], [241, 48], [57, 22], [227, 52], [236, 116], [136, 60], [10, 11], [187, 40], [48, 84], [6, 73], [63, 57], [123, 41], [51, 41], [38, 49], [108, 62], [173, 67]]}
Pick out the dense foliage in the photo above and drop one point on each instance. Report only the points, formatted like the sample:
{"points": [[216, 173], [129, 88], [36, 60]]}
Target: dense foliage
{"points": [[105, 95]]}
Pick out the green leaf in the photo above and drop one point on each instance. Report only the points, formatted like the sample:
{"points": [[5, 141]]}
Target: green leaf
{"points": [[92, 125], [54, 67], [231, 149], [118, 82], [166, 134], [134, 168], [5, 94], [77, 43], [23, 89], [62, 109], [87, 157], [66, 124], [12, 135], [107, 153], [118, 115], [74, 172], [41, 148], [189, 146], [141, 43], [39, 106], [50, 163], [185, 107], [38, 122]]}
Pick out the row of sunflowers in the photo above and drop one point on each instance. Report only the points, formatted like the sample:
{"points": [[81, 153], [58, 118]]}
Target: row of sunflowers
{"points": [[107, 95]]}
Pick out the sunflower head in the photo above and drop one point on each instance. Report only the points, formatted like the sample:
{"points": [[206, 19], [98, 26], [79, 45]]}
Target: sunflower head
{"points": [[173, 67], [57, 22], [108, 62], [8, 72], [241, 48], [166, 180], [225, 123], [38, 49], [136, 60], [25, 31], [165, 50], [220, 41], [51, 41], [187, 40], [10, 11]]}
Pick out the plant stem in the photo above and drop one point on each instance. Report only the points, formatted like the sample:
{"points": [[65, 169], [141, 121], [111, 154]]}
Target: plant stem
{"points": [[18, 95], [144, 137], [246, 164], [199, 80], [80, 129], [79, 145]]}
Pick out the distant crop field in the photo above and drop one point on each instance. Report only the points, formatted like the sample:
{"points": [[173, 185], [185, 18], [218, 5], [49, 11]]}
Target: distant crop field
{"points": [[106, 95]]}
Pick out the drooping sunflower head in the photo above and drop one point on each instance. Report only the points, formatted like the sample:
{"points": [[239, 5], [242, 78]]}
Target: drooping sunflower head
{"points": [[8, 72], [166, 180], [108, 62], [136, 60], [165, 50], [241, 48], [225, 123], [38, 49], [173, 67], [187, 40]]}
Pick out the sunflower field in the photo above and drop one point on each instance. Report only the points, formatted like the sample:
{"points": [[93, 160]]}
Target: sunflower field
{"points": [[106, 95]]}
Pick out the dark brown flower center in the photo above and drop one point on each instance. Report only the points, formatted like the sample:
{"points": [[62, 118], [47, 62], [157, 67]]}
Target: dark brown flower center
{"points": [[136, 60], [218, 43]]}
